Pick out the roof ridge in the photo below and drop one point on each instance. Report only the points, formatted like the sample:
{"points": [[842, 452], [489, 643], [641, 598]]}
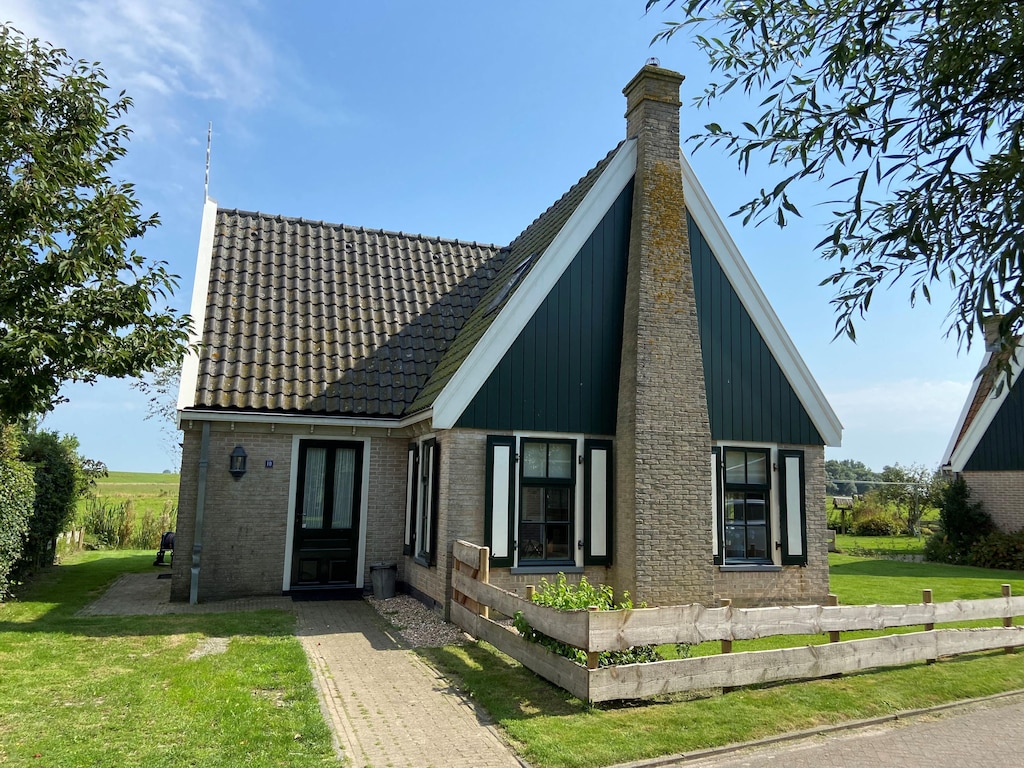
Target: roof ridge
{"points": [[362, 229]]}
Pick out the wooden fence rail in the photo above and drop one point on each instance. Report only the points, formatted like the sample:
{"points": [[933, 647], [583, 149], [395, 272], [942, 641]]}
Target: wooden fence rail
{"points": [[597, 631]]}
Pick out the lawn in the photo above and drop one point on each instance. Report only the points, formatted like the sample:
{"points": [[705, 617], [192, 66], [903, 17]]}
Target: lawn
{"points": [[176, 690], [552, 729], [882, 546]]}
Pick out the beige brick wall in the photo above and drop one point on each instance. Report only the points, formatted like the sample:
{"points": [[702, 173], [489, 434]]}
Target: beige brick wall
{"points": [[1002, 494], [246, 521], [793, 585]]}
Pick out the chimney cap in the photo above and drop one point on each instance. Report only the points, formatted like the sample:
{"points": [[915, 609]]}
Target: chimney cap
{"points": [[654, 61]]}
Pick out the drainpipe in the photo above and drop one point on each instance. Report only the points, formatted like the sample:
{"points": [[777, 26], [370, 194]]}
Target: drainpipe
{"points": [[197, 536]]}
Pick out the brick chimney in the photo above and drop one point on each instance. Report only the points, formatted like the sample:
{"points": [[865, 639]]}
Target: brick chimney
{"points": [[663, 438]]}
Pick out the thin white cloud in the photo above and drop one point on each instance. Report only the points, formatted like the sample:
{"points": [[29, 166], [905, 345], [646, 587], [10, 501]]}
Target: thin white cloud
{"points": [[204, 50]]}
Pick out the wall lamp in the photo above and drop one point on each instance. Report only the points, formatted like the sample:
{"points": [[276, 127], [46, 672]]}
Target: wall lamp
{"points": [[238, 457]]}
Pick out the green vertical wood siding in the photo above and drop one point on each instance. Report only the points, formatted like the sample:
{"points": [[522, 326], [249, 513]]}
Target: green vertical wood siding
{"points": [[562, 373], [1001, 448], [749, 398]]}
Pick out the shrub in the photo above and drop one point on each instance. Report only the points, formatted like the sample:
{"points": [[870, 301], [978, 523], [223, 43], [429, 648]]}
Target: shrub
{"points": [[576, 597], [999, 550], [17, 495], [152, 525], [110, 523], [54, 461], [877, 525], [962, 523], [939, 549]]}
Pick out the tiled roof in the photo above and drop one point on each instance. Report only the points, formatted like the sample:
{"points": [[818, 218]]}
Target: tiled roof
{"points": [[533, 241], [988, 375], [310, 317]]}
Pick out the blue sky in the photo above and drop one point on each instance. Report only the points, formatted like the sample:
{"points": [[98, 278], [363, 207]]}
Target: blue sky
{"points": [[458, 119]]}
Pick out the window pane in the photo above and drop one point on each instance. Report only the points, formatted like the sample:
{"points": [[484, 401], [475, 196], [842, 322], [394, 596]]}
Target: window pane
{"points": [[735, 467], [755, 508], [735, 542], [560, 457], [757, 468], [557, 544], [535, 457], [530, 541], [344, 487], [313, 488], [734, 503], [757, 542], [533, 505], [557, 507]]}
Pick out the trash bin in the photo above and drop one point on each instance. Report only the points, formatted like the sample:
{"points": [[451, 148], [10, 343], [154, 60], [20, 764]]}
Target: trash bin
{"points": [[383, 576]]}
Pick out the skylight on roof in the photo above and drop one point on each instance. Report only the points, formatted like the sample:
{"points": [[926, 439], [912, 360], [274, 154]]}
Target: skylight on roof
{"points": [[513, 280]]}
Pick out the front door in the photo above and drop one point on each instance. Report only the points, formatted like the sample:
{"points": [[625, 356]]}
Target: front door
{"points": [[326, 541]]}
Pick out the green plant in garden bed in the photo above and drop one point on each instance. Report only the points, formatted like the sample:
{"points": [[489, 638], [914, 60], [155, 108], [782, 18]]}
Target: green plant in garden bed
{"points": [[139, 691], [565, 596]]}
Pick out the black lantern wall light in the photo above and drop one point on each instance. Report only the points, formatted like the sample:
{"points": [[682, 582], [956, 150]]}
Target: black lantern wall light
{"points": [[238, 457]]}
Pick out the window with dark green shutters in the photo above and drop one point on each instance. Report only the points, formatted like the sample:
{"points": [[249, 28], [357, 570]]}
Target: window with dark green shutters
{"points": [[546, 508], [747, 494]]}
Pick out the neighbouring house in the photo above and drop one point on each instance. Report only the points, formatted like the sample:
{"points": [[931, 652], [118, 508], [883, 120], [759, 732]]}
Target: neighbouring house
{"points": [[987, 444], [610, 394]]}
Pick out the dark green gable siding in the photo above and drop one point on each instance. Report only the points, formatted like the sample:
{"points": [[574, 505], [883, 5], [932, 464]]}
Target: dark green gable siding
{"points": [[749, 398], [562, 373], [1001, 448]]}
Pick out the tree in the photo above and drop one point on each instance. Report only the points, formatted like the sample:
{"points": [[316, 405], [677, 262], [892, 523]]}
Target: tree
{"points": [[842, 477], [161, 386], [914, 110], [76, 302], [911, 490]]}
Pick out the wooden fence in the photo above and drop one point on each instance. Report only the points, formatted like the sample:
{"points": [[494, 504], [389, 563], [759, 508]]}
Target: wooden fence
{"points": [[597, 631]]}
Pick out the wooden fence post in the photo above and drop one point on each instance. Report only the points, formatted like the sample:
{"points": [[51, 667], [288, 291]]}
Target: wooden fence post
{"points": [[926, 598], [593, 657], [1008, 620], [530, 592], [832, 600], [725, 602], [484, 575]]}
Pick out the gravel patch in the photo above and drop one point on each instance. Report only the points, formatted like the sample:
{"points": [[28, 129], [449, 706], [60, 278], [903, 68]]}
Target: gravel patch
{"points": [[418, 625]]}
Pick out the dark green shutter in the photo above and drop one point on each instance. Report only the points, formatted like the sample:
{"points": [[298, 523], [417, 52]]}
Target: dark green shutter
{"points": [[598, 502], [717, 508], [499, 499], [792, 508], [434, 455], [412, 477]]}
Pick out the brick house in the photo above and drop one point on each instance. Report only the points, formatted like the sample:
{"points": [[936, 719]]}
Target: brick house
{"points": [[610, 394], [987, 444]]}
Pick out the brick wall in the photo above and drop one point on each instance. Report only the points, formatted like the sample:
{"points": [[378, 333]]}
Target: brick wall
{"points": [[1002, 493], [663, 438], [246, 521]]}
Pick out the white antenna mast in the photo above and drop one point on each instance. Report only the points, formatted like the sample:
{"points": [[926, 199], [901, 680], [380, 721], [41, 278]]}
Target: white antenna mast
{"points": [[209, 139]]}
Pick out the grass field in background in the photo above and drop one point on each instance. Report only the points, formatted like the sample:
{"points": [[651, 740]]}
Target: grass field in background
{"points": [[129, 509], [147, 490]]}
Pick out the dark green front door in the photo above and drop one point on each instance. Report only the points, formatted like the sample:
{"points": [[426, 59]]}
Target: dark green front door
{"points": [[327, 503]]}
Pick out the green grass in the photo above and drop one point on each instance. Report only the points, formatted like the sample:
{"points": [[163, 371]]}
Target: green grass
{"points": [[880, 545], [112, 691], [551, 729]]}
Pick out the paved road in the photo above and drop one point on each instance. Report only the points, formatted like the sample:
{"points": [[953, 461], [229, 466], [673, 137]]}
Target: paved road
{"points": [[984, 735]]}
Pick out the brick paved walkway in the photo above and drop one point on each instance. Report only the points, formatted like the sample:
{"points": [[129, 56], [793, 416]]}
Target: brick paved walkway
{"points": [[391, 709], [386, 707]]}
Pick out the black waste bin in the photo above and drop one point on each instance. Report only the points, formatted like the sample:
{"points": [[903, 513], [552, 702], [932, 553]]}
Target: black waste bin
{"points": [[383, 576]]}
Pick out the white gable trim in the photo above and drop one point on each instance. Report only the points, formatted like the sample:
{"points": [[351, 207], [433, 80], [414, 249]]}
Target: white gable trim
{"points": [[463, 386], [983, 419], [947, 455], [200, 290], [760, 311]]}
